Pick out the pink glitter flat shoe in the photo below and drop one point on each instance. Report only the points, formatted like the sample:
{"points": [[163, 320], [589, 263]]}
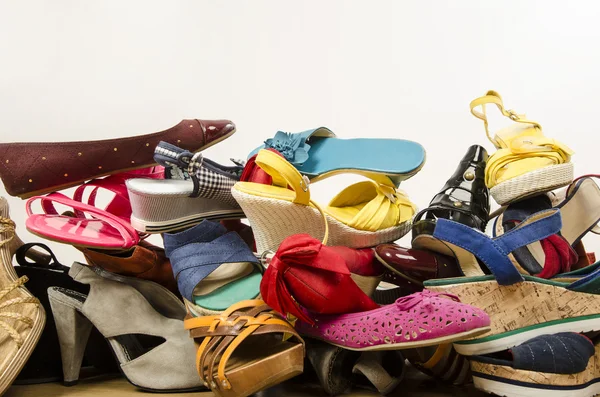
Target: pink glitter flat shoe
{"points": [[418, 320]]}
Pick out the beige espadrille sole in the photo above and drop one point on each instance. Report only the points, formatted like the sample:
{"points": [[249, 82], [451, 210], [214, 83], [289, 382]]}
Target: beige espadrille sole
{"points": [[273, 220], [521, 311], [533, 183], [507, 381]]}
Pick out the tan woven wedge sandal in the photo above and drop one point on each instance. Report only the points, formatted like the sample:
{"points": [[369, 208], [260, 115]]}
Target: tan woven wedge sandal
{"points": [[22, 317], [245, 349], [364, 214]]}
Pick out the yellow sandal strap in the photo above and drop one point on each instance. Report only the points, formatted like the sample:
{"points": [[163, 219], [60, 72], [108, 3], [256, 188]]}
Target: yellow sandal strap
{"points": [[493, 98], [386, 207], [285, 174]]}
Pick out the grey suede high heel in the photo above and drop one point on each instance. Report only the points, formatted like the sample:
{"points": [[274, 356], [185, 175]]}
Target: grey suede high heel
{"points": [[142, 322]]}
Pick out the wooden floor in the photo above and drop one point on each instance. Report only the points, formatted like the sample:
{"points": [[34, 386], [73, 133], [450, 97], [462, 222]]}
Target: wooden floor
{"points": [[415, 385]]}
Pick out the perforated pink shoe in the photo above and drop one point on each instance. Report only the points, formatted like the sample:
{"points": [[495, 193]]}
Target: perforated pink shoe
{"points": [[422, 319]]}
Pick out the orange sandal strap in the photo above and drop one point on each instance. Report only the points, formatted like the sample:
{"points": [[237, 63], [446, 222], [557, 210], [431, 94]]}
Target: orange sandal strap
{"points": [[224, 333]]}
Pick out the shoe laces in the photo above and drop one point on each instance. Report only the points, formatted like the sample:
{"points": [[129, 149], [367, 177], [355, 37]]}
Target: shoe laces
{"points": [[8, 226]]}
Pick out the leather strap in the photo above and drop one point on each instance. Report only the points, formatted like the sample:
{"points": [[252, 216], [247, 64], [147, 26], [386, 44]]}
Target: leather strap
{"points": [[371, 366], [384, 208], [193, 262], [514, 146], [52, 263], [494, 252], [225, 332], [285, 174], [127, 232], [172, 156], [294, 146], [570, 192], [493, 98]]}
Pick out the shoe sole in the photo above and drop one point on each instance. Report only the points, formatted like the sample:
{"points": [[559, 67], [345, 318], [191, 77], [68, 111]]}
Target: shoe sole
{"points": [[183, 222], [501, 387], [274, 220], [137, 167], [521, 311], [533, 183], [413, 345], [507, 340]]}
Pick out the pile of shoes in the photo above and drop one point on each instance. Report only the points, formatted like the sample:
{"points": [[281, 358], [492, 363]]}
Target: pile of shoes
{"points": [[238, 308]]}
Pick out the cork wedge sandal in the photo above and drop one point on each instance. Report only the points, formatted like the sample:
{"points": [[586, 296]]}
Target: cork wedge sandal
{"points": [[245, 349], [520, 306]]}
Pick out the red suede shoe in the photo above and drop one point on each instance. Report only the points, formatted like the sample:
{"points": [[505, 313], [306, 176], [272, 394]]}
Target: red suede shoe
{"points": [[305, 274]]}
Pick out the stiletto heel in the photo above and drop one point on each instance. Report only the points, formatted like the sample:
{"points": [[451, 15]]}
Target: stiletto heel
{"points": [[73, 332]]}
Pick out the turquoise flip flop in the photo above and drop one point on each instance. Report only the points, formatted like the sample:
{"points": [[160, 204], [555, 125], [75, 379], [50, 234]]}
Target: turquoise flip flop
{"points": [[318, 153]]}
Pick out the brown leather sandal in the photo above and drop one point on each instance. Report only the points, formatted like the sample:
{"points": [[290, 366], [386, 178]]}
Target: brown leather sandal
{"points": [[245, 349], [33, 168]]}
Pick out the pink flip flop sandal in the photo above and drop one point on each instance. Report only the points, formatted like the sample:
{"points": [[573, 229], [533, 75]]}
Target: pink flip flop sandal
{"points": [[89, 226], [418, 320], [100, 230]]}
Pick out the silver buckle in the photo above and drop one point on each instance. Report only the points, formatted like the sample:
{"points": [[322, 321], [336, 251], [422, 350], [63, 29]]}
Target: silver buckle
{"points": [[305, 183]]}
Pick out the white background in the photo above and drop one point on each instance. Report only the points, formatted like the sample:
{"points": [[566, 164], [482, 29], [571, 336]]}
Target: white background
{"points": [[84, 70]]}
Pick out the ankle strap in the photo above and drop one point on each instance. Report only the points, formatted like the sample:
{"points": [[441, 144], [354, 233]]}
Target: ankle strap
{"points": [[494, 253], [493, 98], [285, 174]]}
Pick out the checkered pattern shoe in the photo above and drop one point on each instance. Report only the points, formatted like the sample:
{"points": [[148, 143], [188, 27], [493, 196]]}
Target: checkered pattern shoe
{"points": [[195, 188]]}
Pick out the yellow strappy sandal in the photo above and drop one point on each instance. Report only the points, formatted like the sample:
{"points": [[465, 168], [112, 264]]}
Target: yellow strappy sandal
{"points": [[526, 163], [362, 215]]}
